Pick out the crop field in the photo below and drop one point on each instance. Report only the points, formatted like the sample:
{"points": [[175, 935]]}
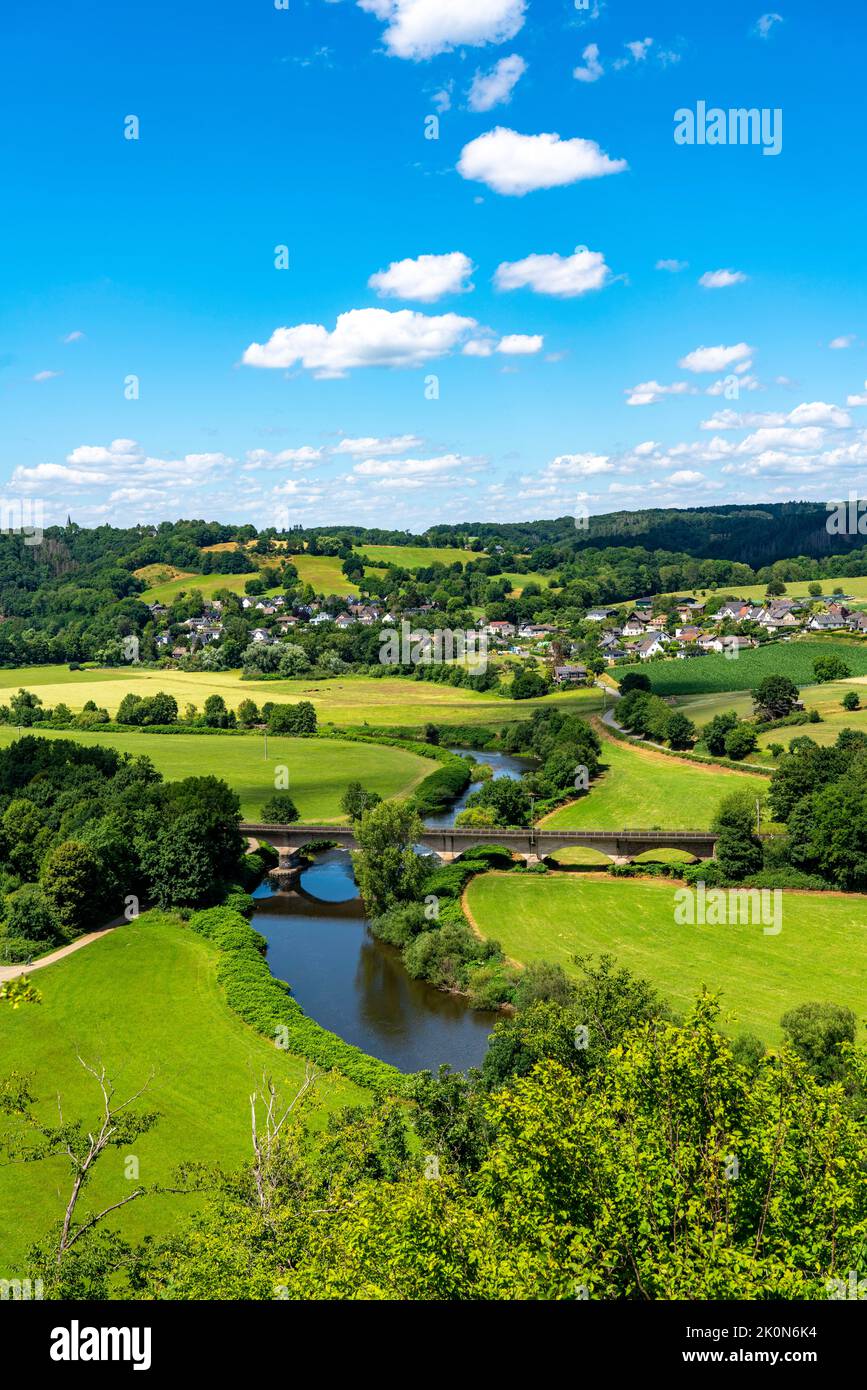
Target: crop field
{"points": [[643, 790], [413, 557], [820, 953], [345, 700], [319, 769], [145, 1001], [715, 672]]}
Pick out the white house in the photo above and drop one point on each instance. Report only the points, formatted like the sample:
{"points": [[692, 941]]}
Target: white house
{"points": [[648, 647]]}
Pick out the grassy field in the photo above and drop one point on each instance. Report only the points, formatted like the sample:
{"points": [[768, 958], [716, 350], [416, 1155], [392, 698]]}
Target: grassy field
{"points": [[143, 999], [413, 557], [641, 790], [346, 700], [319, 769], [715, 672], [825, 698], [207, 584], [324, 574], [520, 581], [820, 954], [795, 588]]}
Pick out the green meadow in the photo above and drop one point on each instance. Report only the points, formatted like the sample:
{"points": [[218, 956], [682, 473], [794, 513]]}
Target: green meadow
{"points": [[413, 557], [640, 789], [206, 584], [318, 769], [820, 953], [795, 588], [343, 700], [144, 1001]]}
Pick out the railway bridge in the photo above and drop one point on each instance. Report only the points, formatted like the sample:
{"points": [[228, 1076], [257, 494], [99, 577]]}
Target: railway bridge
{"points": [[531, 844]]}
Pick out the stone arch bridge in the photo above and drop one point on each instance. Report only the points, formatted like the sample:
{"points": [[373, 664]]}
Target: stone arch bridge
{"points": [[532, 844]]}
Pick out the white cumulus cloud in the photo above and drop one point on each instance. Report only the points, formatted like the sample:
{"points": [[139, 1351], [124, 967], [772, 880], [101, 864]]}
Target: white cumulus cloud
{"points": [[721, 279], [362, 338], [715, 359], [564, 277], [426, 278], [650, 392], [494, 88], [367, 447], [515, 164], [419, 29], [592, 69], [521, 344], [304, 457]]}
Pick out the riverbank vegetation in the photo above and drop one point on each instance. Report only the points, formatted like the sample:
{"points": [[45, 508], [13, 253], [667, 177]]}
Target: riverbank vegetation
{"points": [[513, 1182]]}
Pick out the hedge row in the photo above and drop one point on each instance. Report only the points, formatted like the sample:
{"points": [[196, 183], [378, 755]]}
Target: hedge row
{"points": [[439, 790], [266, 1003], [621, 734]]}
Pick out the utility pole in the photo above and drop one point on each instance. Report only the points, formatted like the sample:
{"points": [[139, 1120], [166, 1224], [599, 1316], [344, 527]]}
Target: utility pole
{"points": [[758, 816], [266, 745]]}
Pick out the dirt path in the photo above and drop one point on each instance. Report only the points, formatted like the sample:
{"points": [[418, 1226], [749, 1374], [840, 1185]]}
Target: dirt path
{"points": [[13, 972]]}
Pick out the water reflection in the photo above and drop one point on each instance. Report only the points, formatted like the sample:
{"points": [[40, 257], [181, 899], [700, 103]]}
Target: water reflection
{"points": [[318, 940]]}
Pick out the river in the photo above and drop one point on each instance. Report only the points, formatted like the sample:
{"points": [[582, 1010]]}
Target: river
{"points": [[319, 940]]}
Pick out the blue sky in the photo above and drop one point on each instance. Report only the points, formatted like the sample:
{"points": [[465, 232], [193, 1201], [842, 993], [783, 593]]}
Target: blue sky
{"points": [[649, 323]]}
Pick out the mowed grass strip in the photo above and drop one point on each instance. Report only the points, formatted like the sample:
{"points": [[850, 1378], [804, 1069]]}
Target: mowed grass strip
{"points": [[319, 769], [142, 1000], [820, 954], [345, 700], [644, 790]]}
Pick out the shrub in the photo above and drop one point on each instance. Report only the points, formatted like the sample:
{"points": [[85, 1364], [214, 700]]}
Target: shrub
{"points": [[266, 1004], [280, 809], [399, 925], [740, 741], [490, 856], [491, 984], [543, 980], [29, 915], [237, 900], [298, 720], [252, 870], [707, 872], [15, 950], [850, 700], [439, 790], [441, 957], [786, 878]]}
